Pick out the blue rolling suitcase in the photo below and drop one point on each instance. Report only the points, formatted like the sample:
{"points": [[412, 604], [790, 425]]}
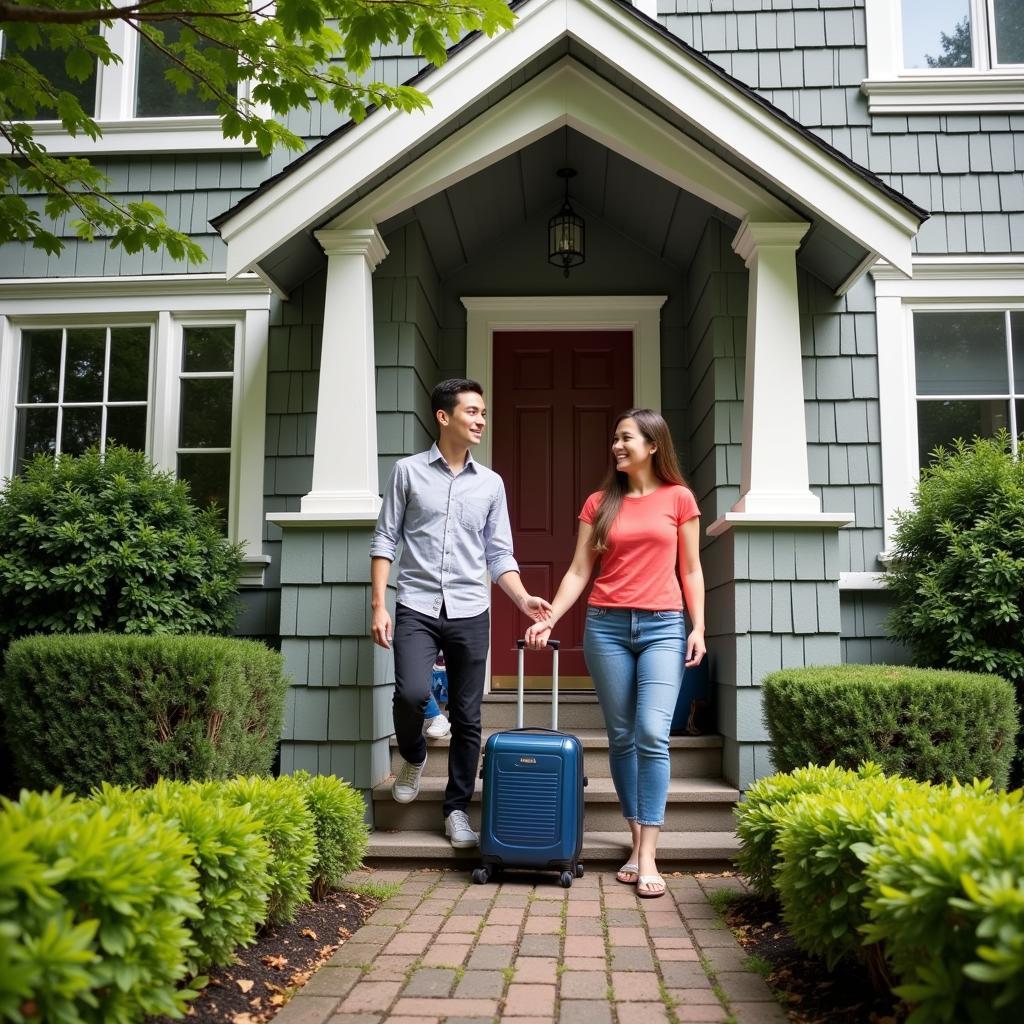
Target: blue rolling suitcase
{"points": [[532, 795]]}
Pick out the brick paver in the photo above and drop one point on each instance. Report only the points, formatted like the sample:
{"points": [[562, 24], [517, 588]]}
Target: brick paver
{"points": [[525, 951]]}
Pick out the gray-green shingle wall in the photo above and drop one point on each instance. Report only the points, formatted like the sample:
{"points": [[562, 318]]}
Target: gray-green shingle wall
{"points": [[864, 641], [808, 57]]}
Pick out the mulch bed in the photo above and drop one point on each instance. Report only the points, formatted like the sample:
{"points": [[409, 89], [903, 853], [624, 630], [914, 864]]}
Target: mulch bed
{"points": [[283, 958], [811, 993]]}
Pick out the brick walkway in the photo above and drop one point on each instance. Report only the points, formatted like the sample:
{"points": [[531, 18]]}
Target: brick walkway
{"points": [[529, 952]]}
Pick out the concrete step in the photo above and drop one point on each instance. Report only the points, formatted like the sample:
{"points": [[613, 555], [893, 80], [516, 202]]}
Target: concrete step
{"points": [[677, 851], [575, 710], [690, 756], [694, 805]]}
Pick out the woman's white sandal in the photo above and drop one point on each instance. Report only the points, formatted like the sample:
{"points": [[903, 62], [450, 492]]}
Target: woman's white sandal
{"points": [[628, 869], [644, 880]]}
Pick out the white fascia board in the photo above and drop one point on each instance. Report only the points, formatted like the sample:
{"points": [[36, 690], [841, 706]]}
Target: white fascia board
{"points": [[981, 277], [568, 94], [734, 119]]}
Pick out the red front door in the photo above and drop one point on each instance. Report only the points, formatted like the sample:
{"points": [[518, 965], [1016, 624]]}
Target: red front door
{"points": [[555, 395]]}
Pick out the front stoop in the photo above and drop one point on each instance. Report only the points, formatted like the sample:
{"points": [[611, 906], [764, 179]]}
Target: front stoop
{"points": [[699, 819]]}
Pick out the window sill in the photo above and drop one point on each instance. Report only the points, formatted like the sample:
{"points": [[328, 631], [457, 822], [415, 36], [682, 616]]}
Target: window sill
{"points": [[141, 135], [982, 93]]}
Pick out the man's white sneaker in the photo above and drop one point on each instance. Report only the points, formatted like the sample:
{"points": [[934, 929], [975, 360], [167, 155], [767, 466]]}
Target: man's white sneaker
{"points": [[406, 786], [437, 728], [456, 828]]}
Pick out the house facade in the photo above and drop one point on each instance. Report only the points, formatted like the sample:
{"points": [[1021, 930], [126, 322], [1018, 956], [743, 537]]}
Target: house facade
{"points": [[804, 244]]}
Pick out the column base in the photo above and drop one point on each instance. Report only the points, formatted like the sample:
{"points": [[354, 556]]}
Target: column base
{"points": [[361, 503], [786, 520]]}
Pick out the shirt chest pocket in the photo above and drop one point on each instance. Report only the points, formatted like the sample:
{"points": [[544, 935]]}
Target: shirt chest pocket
{"points": [[472, 515]]}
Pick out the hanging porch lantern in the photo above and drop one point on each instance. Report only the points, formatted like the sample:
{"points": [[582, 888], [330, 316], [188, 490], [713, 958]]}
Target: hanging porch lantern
{"points": [[566, 232]]}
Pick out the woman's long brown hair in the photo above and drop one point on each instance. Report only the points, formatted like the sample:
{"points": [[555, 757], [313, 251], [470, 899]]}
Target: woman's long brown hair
{"points": [[664, 462]]}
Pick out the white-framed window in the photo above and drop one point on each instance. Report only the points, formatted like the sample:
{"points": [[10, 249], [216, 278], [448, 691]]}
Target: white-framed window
{"points": [[950, 362], [940, 56], [179, 372], [137, 109]]}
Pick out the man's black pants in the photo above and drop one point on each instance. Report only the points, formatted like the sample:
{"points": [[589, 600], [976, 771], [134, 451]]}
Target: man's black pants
{"points": [[417, 640]]}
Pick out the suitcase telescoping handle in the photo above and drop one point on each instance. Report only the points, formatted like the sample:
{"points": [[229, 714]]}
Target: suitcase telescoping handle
{"points": [[554, 645]]}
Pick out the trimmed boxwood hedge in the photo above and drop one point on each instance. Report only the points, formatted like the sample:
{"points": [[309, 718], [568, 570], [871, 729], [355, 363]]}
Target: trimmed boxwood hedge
{"points": [[927, 724], [82, 710]]}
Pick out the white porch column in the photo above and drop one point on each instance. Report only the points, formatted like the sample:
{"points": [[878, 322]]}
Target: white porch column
{"points": [[345, 456], [773, 475]]}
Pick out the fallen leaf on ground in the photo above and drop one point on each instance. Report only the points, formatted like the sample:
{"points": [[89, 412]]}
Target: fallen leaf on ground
{"points": [[278, 962], [309, 933], [244, 984]]}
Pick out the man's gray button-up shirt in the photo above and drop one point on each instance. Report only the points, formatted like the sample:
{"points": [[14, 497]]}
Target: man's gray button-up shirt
{"points": [[455, 529]]}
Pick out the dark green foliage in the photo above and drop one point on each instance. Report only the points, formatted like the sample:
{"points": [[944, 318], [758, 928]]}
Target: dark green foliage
{"points": [[228, 852], [111, 544], [957, 574], [95, 905], [287, 824], [81, 710], [930, 725], [341, 831]]}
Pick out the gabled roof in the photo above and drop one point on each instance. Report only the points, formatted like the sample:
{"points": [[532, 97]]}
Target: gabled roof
{"points": [[515, 87]]}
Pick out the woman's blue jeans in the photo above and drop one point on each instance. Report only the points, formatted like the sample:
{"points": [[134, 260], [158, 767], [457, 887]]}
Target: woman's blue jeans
{"points": [[636, 661]]}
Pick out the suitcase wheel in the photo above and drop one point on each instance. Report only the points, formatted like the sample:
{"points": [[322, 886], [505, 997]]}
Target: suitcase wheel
{"points": [[579, 870], [565, 879], [481, 876]]}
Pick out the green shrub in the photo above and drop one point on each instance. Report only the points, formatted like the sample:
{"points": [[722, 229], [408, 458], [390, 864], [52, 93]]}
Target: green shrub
{"points": [[94, 903], [957, 574], [820, 878], [945, 875], [229, 853], [109, 543], [340, 826], [929, 725], [287, 824], [761, 814], [82, 710]]}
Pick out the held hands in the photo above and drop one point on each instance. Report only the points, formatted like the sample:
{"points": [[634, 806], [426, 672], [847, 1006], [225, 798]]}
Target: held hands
{"points": [[695, 648], [380, 628], [537, 635], [536, 608]]}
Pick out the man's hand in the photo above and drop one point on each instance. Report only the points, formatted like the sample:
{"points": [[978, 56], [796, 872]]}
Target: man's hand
{"points": [[380, 628], [535, 608], [537, 636]]}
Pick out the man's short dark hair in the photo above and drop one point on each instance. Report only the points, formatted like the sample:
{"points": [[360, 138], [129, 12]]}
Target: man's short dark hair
{"points": [[446, 394]]}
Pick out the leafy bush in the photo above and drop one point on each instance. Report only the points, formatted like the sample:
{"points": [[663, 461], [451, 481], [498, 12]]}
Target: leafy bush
{"points": [[229, 854], [340, 826], [761, 814], [929, 725], [109, 543], [945, 876], [957, 573], [287, 824], [86, 709], [95, 903]]}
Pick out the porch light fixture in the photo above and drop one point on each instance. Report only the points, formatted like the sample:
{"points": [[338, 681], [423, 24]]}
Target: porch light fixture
{"points": [[566, 232]]}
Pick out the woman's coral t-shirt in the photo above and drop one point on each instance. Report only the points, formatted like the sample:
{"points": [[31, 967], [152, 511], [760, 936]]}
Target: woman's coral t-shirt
{"points": [[638, 567]]}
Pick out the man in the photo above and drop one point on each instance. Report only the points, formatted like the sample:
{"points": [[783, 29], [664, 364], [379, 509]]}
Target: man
{"points": [[451, 515]]}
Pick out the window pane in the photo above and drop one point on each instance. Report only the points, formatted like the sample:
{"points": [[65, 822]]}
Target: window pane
{"points": [[37, 434], [80, 430], [1009, 19], [937, 34], [209, 476], [208, 349], [40, 366], [50, 63], [961, 353], [1017, 334], [83, 366], [154, 95], [129, 364], [206, 413], [942, 422], [126, 424]]}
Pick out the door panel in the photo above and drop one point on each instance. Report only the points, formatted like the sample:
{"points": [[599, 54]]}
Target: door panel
{"points": [[555, 396]]}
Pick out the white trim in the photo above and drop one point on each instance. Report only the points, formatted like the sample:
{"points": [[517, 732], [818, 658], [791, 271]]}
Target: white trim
{"points": [[321, 520], [950, 283], [891, 89], [780, 520], [166, 305], [695, 92], [862, 581], [640, 314]]}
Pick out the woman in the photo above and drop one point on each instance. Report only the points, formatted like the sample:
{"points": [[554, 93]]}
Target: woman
{"points": [[644, 526]]}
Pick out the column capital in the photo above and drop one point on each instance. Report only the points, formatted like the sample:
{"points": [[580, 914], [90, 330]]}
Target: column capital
{"points": [[754, 235], [365, 242]]}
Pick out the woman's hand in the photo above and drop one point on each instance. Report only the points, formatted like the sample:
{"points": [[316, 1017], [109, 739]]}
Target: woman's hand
{"points": [[537, 636], [695, 648]]}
